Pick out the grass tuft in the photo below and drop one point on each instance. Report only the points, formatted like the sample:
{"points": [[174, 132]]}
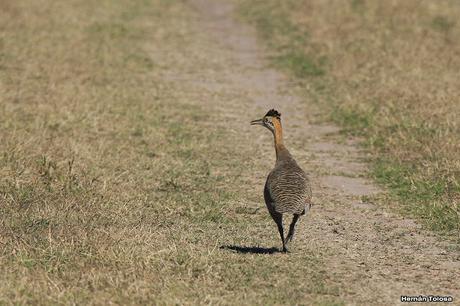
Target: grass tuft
{"points": [[300, 64], [442, 24]]}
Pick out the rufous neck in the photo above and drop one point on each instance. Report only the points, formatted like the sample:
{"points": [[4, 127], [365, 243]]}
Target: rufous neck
{"points": [[278, 134]]}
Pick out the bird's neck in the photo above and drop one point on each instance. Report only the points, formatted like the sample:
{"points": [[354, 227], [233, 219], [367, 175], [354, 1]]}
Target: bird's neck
{"points": [[280, 149]]}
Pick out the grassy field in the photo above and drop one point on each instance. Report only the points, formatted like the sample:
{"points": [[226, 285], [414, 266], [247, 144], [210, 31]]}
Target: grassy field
{"points": [[387, 71], [115, 186], [129, 173]]}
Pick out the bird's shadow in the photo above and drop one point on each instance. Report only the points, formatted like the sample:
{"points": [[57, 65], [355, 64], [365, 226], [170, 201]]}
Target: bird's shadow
{"points": [[250, 250]]}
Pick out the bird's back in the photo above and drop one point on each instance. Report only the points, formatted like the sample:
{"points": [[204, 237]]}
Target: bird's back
{"points": [[287, 189]]}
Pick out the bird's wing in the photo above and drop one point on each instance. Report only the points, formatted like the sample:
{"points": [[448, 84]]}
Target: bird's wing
{"points": [[269, 200], [289, 188]]}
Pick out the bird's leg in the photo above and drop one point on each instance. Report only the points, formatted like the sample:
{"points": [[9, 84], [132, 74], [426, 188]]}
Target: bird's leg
{"points": [[279, 222], [292, 228]]}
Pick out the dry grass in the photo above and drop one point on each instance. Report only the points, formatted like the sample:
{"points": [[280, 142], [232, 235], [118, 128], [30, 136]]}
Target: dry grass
{"points": [[115, 186], [120, 184], [388, 71]]}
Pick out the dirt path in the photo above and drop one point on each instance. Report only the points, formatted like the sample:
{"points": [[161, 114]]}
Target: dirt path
{"points": [[369, 254]]}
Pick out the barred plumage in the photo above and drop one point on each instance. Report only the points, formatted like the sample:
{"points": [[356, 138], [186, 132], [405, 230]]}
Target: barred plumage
{"points": [[287, 189]]}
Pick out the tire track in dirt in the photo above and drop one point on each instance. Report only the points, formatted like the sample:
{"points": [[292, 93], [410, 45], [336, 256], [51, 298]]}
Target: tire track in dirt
{"points": [[371, 254]]}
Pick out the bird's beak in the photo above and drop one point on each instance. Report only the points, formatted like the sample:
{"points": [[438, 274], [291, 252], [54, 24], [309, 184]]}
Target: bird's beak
{"points": [[257, 122]]}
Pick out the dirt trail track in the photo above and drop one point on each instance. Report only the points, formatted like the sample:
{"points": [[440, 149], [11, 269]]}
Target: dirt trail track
{"points": [[372, 255]]}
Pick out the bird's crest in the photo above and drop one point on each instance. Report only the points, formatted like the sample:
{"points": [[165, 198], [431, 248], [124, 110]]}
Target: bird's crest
{"points": [[273, 113]]}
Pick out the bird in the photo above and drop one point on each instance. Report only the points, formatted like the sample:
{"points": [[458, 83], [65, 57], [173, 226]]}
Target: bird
{"points": [[287, 189]]}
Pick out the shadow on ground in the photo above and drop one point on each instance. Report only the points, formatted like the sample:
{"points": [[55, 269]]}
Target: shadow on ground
{"points": [[250, 250]]}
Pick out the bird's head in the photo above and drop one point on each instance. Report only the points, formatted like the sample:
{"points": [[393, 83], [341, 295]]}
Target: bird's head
{"points": [[269, 120]]}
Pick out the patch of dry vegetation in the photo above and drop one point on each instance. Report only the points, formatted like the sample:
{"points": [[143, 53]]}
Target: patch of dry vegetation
{"points": [[115, 185], [388, 71]]}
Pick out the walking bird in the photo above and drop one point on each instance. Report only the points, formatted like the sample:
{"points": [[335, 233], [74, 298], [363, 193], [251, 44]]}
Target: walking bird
{"points": [[287, 189]]}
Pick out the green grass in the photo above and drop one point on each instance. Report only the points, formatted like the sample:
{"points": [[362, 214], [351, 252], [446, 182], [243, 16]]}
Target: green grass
{"points": [[299, 63], [414, 195], [411, 131], [442, 24]]}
